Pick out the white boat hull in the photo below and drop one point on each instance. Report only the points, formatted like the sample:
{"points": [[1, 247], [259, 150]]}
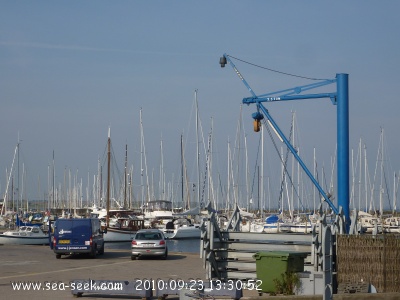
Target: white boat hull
{"points": [[117, 235], [183, 232], [301, 228], [271, 228], [391, 229], [252, 227], [23, 240]]}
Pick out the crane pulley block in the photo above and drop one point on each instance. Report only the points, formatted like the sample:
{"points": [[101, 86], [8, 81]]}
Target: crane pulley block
{"points": [[257, 116]]}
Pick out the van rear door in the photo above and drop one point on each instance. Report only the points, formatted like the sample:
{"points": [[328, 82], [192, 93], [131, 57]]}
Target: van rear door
{"points": [[73, 234]]}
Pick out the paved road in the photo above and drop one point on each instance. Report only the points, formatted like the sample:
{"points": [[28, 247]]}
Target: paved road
{"points": [[37, 264]]}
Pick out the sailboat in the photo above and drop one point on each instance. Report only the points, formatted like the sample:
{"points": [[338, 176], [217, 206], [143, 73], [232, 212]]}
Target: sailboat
{"points": [[4, 207], [369, 223], [182, 226], [159, 214], [186, 223], [277, 224], [126, 227], [250, 222], [391, 225], [388, 224]]}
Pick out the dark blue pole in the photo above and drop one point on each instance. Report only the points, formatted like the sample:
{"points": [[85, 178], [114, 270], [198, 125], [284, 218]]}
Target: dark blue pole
{"points": [[343, 144]]}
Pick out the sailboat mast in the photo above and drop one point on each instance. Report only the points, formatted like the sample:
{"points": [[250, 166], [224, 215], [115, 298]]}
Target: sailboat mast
{"points": [[360, 175], [261, 174], [108, 176], [125, 174], [182, 174], [228, 191], [211, 194], [161, 184], [18, 187], [23, 188], [249, 197], [381, 184], [238, 144], [394, 193], [197, 148], [293, 159], [365, 178], [258, 190], [143, 156], [4, 207], [53, 180], [185, 178]]}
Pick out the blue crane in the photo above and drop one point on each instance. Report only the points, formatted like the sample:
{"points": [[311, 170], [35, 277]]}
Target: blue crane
{"points": [[340, 98]]}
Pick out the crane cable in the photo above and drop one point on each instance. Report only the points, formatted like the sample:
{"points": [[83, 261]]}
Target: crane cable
{"points": [[276, 71]]}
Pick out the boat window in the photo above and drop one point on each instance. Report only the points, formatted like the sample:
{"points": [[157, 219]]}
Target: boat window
{"points": [[35, 230]]}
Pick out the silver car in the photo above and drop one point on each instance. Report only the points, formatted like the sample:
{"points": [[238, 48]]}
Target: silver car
{"points": [[149, 242]]}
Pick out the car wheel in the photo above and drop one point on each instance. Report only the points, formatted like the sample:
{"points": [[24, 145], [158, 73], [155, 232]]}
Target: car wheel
{"points": [[94, 251], [133, 257], [101, 251], [58, 256]]}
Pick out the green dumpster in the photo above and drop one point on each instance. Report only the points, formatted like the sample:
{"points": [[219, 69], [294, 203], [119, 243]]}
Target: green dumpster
{"points": [[270, 266]]}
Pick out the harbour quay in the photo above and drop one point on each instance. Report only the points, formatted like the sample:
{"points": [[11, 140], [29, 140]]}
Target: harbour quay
{"points": [[33, 272], [37, 265]]}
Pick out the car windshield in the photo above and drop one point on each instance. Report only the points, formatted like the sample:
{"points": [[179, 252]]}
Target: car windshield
{"points": [[148, 236]]}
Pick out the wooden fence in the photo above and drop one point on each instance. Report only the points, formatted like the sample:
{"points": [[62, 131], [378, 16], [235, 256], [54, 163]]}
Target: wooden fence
{"points": [[369, 259]]}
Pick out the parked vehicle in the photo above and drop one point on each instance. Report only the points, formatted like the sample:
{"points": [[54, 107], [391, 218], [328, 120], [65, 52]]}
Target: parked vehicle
{"points": [[149, 242], [73, 236]]}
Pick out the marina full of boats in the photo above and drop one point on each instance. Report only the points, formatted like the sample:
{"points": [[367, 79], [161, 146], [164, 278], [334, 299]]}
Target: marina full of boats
{"points": [[122, 225], [122, 221]]}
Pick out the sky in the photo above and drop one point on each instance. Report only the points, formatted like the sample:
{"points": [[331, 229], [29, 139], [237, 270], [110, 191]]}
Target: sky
{"points": [[70, 70]]}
